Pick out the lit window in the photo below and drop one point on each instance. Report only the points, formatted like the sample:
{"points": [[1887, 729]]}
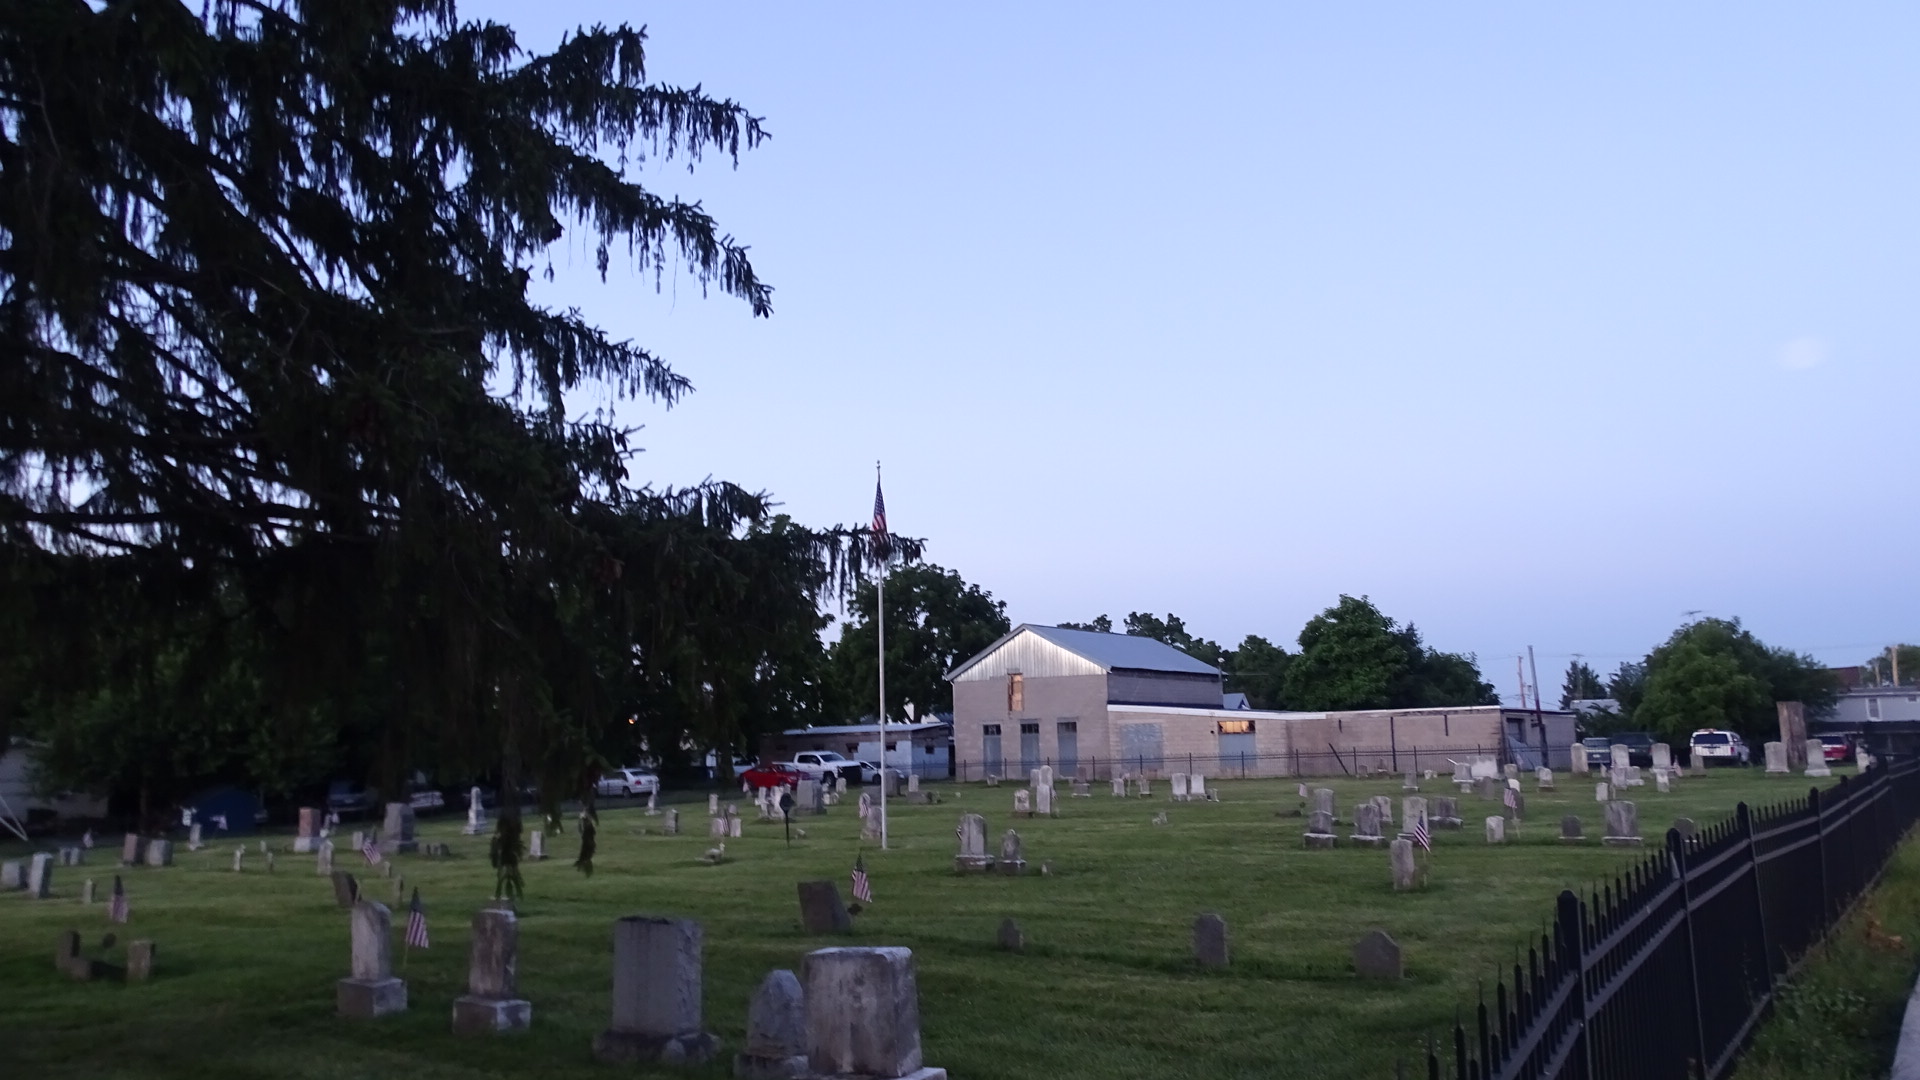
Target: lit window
{"points": [[1016, 693], [1236, 727]]}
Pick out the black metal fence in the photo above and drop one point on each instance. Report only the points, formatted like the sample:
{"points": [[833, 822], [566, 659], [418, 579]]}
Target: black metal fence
{"points": [[1665, 972], [1389, 761]]}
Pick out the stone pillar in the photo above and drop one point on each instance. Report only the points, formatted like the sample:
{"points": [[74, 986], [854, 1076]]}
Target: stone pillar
{"points": [[491, 1004], [307, 840], [656, 994], [1793, 732], [863, 1014], [396, 831], [776, 1031], [371, 991], [476, 813]]}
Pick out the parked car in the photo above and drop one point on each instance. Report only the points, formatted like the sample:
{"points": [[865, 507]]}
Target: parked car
{"points": [[627, 782], [423, 797], [1599, 751], [1639, 746], [772, 774], [346, 798], [1834, 747], [1711, 745], [822, 763]]}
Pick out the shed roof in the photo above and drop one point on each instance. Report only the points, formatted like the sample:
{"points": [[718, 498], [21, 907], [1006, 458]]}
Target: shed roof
{"points": [[1105, 651]]}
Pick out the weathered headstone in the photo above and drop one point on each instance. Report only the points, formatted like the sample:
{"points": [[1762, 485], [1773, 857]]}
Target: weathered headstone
{"points": [[1197, 786], [1793, 733], [863, 1014], [1570, 829], [1323, 801], [1011, 938], [1384, 804], [821, 909], [671, 826], [1634, 778], [160, 852], [492, 1002], [1043, 797], [1602, 792], [307, 840], [396, 830], [1619, 755], [1366, 825], [133, 850], [1662, 756], [1686, 827], [776, 1031], [476, 814], [239, 856], [1409, 783], [1179, 787], [40, 875], [1120, 787], [871, 824], [1145, 785], [1623, 823], [717, 828], [1486, 787], [972, 832], [537, 845], [323, 860], [734, 828], [1023, 803], [1406, 874], [1511, 770], [1816, 755], [657, 979], [140, 957], [193, 837], [1210, 940], [1543, 779], [1160, 818], [1082, 790], [713, 804], [86, 891], [371, 991], [345, 889], [1377, 956], [1660, 781], [913, 782], [1320, 830], [1776, 759], [1463, 774], [1412, 808], [1577, 759], [1496, 830], [1012, 855], [1446, 812]]}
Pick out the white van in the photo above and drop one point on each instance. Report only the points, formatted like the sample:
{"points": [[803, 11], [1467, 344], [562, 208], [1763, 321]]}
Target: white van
{"points": [[1712, 744]]}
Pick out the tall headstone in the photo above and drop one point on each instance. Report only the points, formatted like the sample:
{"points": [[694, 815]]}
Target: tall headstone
{"points": [[193, 837], [776, 1031], [1543, 779], [1323, 801], [346, 891], [1406, 874], [40, 875], [371, 991], [1384, 804], [476, 814], [1197, 786], [239, 857], [1463, 774], [1776, 759], [871, 824], [159, 852], [1366, 825], [821, 909], [1662, 756], [140, 957], [1661, 781], [323, 860], [1496, 829], [1446, 812], [133, 850], [1320, 833], [1793, 732], [1120, 787], [1043, 798], [1602, 792], [1412, 808], [913, 782], [397, 830], [1816, 754], [671, 826], [733, 829], [1145, 785], [537, 845], [1179, 787], [656, 994], [973, 844], [1409, 783], [1012, 854], [863, 1014], [1577, 759], [1623, 824], [1570, 829], [1622, 756], [492, 1002], [307, 840], [1023, 803], [1377, 956], [713, 804], [1210, 940], [1011, 938]]}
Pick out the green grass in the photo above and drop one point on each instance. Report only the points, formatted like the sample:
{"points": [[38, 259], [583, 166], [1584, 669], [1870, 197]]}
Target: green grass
{"points": [[1839, 1017], [1106, 988]]}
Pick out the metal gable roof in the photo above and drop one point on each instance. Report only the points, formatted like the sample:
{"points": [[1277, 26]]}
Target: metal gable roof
{"points": [[1106, 651]]}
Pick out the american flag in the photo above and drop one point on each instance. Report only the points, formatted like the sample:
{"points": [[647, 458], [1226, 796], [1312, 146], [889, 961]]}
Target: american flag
{"points": [[416, 924], [117, 909], [1509, 799], [1420, 834], [371, 851], [862, 887], [880, 537]]}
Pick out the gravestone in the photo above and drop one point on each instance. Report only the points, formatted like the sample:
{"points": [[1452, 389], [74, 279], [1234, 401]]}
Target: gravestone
{"points": [[371, 991], [1377, 956], [1619, 756], [1776, 759], [1685, 827], [1514, 806], [396, 830], [1323, 801], [972, 833], [1046, 777], [1662, 756], [913, 782], [1012, 855], [1366, 825], [537, 845], [1602, 792], [359, 840], [160, 852], [1082, 790], [307, 839], [1462, 774], [1119, 787], [1446, 812], [671, 826], [1160, 818], [1543, 779], [1023, 803], [1699, 766], [1485, 787], [1660, 781], [1146, 787], [656, 994], [239, 855], [1633, 776], [1406, 875], [1043, 797], [713, 802], [1011, 938], [1320, 830], [1570, 829], [476, 814], [1412, 808], [733, 829], [140, 957], [1210, 940], [1179, 787], [863, 1014], [193, 837], [776, 1031], [1511, 769], [1623, 824], [345, 889], [133, 850], [1197, 786], [1496, 830], [73, 856], [1577, 759], [1485, 768], [1793, 733], [40, 875], [1409, 784], [492, 1003], [1816, 755], [86, 891], [870, 826], [653, 802], [323, 860], [821, 909], [717, 828]]}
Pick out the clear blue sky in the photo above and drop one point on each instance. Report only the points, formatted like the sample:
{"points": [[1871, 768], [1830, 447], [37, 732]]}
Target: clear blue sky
{"points": [[1537, 326]]}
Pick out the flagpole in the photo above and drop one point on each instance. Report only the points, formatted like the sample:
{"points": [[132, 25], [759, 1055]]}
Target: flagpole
{"points": [[880, 625]]}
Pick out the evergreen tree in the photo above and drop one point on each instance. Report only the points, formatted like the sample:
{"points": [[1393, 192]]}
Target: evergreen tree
{"points": [[1582, 684]]}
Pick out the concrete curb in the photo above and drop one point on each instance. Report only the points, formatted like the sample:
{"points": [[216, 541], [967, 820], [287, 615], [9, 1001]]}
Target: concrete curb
{"points": [[1906, 1059]]}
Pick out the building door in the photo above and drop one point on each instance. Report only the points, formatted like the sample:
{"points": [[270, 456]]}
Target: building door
{"points": [[990, 750], [1237, 753], [1067, 738], [1029, 748]]}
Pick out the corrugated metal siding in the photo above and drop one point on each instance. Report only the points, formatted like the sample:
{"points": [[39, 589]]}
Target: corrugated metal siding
{"points": [[1032, 656]]}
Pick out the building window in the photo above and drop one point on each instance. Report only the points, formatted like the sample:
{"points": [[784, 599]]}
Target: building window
{"points": [[991, 762], [1236, 727], [1066, 737], [1029, 747], [1873, 708], [1016, 693]]}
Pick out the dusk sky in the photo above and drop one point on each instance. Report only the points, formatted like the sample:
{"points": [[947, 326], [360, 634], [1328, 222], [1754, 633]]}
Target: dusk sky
{"points": [[1537, 326]]}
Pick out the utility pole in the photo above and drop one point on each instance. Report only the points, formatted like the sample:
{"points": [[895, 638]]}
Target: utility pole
{"points": [[1520, 675]]}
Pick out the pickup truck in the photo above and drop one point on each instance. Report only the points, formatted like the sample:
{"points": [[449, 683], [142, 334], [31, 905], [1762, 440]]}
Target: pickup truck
{"points": [[821, 763]]}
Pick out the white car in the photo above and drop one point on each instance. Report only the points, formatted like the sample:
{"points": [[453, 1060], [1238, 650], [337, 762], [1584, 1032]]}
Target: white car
{"points": [[1712, 744], [627, 782], [819, 763]]}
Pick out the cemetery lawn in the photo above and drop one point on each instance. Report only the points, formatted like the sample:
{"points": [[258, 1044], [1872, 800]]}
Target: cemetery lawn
{"points": [[1839, 1018], [244, 981]]}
